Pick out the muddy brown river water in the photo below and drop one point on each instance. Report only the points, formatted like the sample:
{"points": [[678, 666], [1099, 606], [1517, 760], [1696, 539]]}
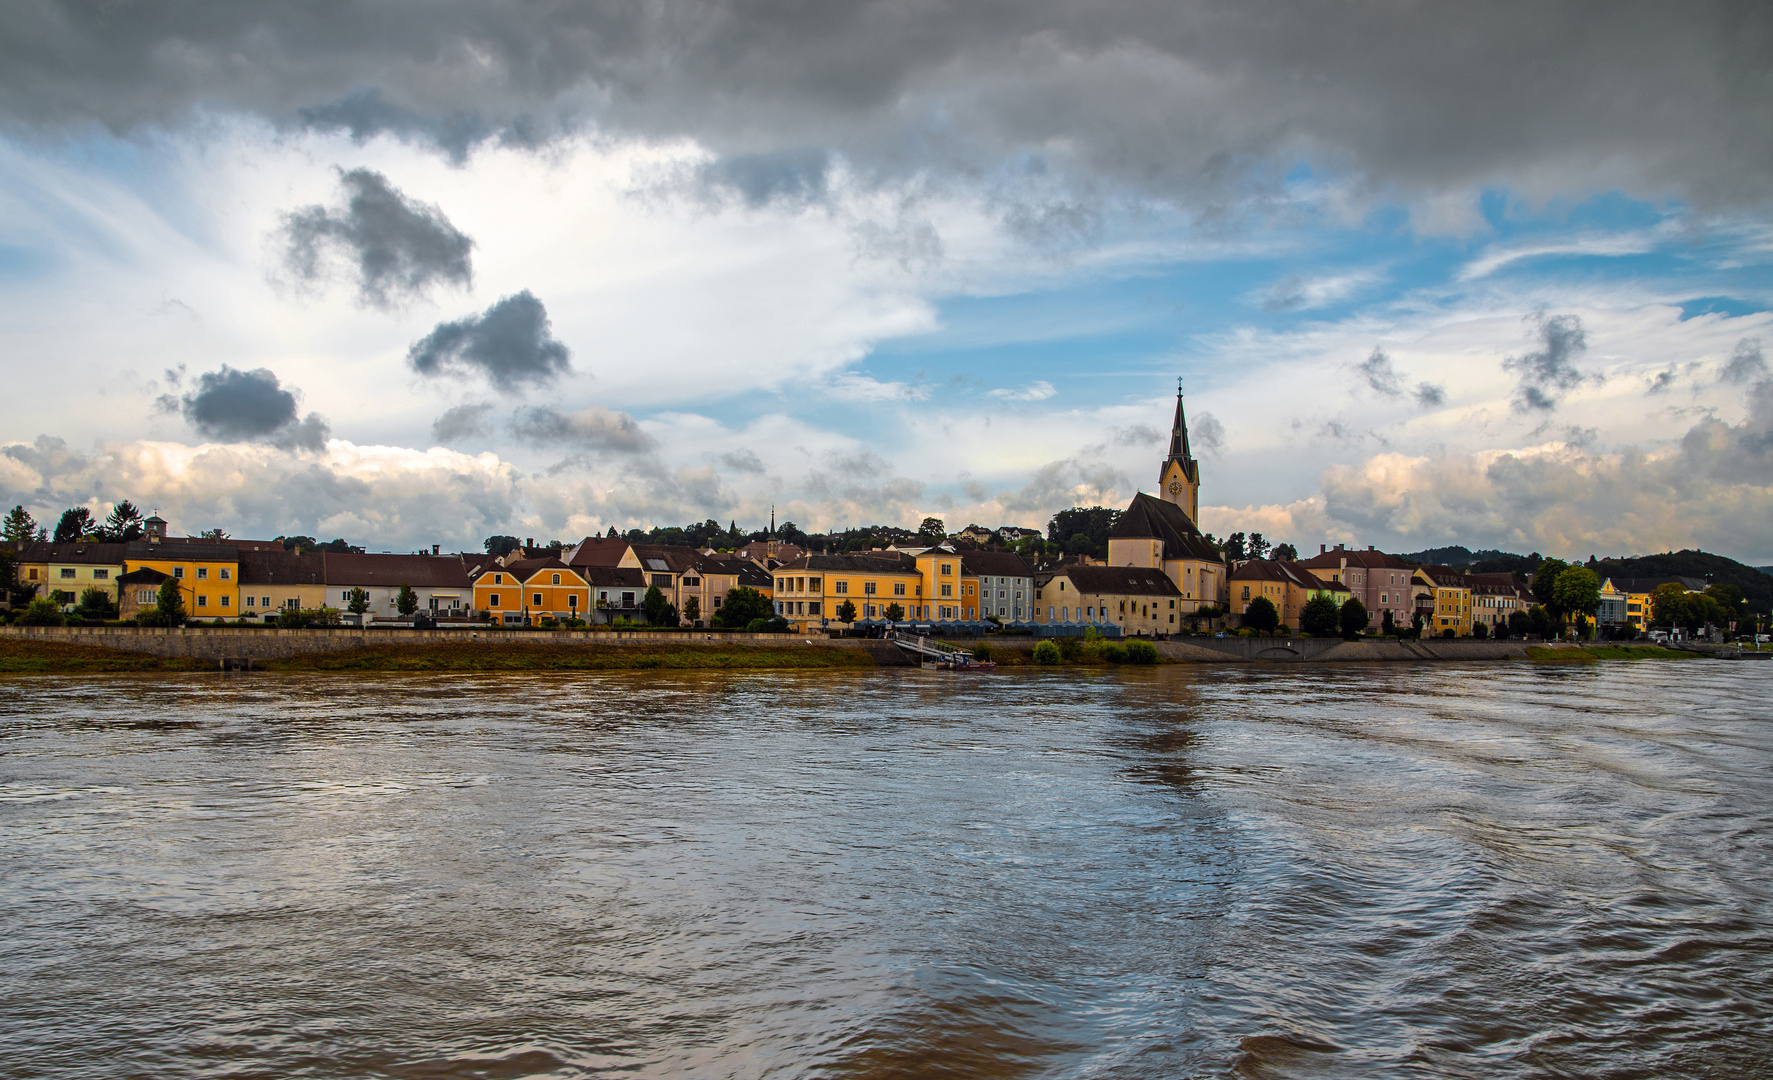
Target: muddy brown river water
{"points": [[1441, 870]]}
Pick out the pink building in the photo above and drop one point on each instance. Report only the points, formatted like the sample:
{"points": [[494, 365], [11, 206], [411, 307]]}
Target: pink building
{"points": [[1379, 581]]}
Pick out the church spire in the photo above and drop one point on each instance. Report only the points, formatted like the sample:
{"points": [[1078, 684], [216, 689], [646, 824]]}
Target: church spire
{"points": [[1179, 475]]}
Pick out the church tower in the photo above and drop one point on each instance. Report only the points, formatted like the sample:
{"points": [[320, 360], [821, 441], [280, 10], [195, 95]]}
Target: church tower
{"points": [[1180, 476]]}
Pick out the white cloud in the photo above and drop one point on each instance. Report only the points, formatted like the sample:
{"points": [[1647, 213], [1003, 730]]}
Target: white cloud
{"points": [[1038, 390]]}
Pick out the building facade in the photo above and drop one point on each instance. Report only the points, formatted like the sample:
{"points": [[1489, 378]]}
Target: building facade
{"points": [[1138, 600], [1379, 581]]}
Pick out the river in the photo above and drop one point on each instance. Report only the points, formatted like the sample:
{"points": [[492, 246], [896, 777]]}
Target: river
{"points": [[1338, 871]]}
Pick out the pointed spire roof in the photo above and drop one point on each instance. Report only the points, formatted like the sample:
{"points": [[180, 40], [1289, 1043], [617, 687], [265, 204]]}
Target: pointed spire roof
{"points": [[1179, 429]]}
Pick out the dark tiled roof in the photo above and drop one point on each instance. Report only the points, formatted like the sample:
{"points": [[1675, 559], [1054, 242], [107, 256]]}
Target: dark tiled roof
{"points": [[1372, 560], [612, 577], [147, 575], [879, 563], [182, 552], [1119, 580], [1147, 517], [1279, 570], [1444, 576], [597, 551], [995, 564], [393, 571], [279, 567], [47, 551], [667, 558], [1648, 584]]}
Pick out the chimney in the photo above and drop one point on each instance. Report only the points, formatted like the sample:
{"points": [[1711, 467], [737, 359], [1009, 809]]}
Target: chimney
{"points": [[1370, 547], [1321, 548], [436, 549], [529, 542]]}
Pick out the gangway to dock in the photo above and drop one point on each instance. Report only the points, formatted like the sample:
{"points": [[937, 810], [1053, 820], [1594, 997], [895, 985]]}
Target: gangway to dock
{"points": [[935, 653]]}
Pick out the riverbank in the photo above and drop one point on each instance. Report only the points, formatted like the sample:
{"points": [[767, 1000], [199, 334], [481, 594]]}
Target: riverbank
{"points": [[27, 657], [1594, 654], [533, 656]]}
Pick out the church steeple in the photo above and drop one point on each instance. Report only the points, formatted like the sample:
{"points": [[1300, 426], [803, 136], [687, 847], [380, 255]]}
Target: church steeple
{"points": [[1179, 476]]}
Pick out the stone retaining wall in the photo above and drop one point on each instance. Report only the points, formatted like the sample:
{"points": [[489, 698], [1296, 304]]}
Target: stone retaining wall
{"points": [[222, 643]]}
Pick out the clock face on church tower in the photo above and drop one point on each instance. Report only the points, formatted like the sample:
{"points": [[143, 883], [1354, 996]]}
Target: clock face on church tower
{"points": [[1175, 487]]}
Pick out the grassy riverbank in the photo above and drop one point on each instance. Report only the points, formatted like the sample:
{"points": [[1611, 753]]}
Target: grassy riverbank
{"points": [[1590, 654], [58, 657], [451, 656]]}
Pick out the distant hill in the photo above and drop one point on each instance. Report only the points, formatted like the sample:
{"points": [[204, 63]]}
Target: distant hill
{"points": [[1487, 561], [1756, 584], [1768, 570]]}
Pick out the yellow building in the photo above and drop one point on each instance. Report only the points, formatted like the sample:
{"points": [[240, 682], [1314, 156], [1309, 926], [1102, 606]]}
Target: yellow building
{"points": [[62, 571], [810, 590], [950, 592], [1289, 586], [1443, 597], [208, 573], [525, 590], [1142, 601]]}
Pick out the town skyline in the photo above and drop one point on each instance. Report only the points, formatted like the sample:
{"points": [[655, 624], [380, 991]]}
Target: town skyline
{"points": [[428, 300]]}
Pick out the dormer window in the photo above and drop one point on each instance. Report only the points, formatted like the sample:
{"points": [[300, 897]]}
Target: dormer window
{"points": [[556, 579], [498, 579]]}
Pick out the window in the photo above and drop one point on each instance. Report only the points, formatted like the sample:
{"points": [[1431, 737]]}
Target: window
{"points": [[203, 601], [572, 601], [663, 581], [1246, 592], [149, 596], [536, 600], [898, 588], [178, 572], [224, 601], [947, 568], [717, 602], [224, 573], [947, 589], [101, 575], [814, 584], [556, 580], [691, 582], [627, 599], [843, 588], [498, 579], [868, 588], [814, 608], [64, 597], [67, 573], [493, 600], [203, 573], [33, 574], [264, 601]]}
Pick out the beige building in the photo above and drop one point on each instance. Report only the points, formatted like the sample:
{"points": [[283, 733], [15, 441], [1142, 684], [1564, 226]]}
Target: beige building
{"points": [[1142, 601]]}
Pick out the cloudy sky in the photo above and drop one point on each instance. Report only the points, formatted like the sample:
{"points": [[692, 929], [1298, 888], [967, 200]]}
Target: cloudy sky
{"points": [[414, 273]]}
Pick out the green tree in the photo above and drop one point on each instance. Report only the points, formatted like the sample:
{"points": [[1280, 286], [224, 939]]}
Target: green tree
{"points": [[1729, 599], [1045, 652], [1545, 579], [406, 601], [1286, 553], [932, 531], [1669, 606], [1261, 615], [1577, 591], [76, 524], [1480, 629], [95, 603], [1353, 618], [1539, 621], [1256, 546], [499, 545], [742, 606], [894, 613], [42, 612], [1416, 624], [1387, 624], [846, 612], [1141, 652], [357, 601], [19, 527], [123, 524], [1321, 616], [1234, 547], [169, 607], [659, 611], [1520, 624], [692, 606]]}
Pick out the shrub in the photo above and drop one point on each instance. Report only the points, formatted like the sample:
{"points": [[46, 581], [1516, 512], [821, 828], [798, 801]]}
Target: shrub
{"points": [[42, 612], [1283, 630], [1448, 633], [1115, 654], [1480, 630], [1262, 615], [982, 653], [1321, 616], [1046, 652], [1070, 649], [1141, 652], [95, 603]]}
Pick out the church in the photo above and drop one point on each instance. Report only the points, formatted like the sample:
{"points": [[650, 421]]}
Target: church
{"points": [[1160, 532]]}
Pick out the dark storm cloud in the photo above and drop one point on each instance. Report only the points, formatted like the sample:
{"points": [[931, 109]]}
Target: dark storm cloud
{"points": [[1183, 100], [511, 343], [250, 406], [398, 247], [1552, 369]]}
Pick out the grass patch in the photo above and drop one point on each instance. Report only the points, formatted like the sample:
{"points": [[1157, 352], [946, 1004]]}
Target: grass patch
{"points": [[1590, 654], [528, 656], [23, 656]]}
